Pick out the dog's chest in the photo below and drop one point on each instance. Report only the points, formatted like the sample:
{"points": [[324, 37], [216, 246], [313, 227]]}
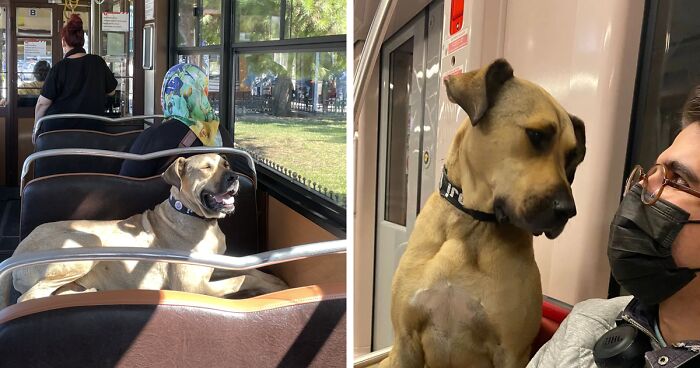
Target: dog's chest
{"points": [[451, 308], [463, 320]]}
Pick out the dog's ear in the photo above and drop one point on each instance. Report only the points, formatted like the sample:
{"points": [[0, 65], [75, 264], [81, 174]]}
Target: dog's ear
{"points": [[580, 152], [476, 91], [173, 174]]}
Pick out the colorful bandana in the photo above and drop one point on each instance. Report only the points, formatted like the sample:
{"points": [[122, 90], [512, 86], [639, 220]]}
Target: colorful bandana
{"points": [[184, 98]]}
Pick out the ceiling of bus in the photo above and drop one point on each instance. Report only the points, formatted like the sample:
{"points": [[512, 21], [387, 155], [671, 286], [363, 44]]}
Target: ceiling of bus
{"points": [[365, 9]]}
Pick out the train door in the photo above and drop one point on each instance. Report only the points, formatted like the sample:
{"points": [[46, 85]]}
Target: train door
{"points": [[35, 45], [410, 85]]}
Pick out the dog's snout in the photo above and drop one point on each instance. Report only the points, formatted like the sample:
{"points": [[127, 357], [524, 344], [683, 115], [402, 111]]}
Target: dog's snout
{"points": [[564, 206]]}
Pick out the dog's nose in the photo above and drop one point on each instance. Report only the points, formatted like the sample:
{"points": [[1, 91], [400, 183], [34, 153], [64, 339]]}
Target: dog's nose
{"points": [[564, 207], [563, 204], [232, 181]]}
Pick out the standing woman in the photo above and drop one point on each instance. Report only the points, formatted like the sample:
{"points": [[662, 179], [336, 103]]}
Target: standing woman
{"points": [[79, 83]]}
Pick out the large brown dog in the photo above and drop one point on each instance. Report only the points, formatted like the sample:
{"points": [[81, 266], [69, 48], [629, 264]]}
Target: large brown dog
{"points": [[467, 290], [204, 184]]}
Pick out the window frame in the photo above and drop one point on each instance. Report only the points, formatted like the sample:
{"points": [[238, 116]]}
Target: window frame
{"points": [[315, 207]]}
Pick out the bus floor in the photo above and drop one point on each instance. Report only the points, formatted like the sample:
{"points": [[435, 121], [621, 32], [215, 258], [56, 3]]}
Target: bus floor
{"points": [[9, 221]]}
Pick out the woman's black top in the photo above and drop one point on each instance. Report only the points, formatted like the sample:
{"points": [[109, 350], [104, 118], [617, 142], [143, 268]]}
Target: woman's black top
{"points": [[78, 85], [159, 137]]}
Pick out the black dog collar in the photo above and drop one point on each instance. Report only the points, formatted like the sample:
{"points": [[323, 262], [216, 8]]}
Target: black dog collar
{"points": [[179, 207], [454, 195]]}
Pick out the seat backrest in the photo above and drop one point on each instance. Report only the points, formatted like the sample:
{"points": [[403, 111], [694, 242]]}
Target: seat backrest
{"points": [[78, 138], [50, 125], [553, 314], [302, 327], [89, 196]]}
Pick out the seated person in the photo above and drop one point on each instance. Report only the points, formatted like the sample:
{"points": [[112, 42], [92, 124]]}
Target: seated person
{"points": [[41, 70], [654, 254], [189, 121]]}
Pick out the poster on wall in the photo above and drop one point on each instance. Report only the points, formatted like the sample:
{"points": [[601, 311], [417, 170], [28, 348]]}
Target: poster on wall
{"points": [[115, 22], [34, 49], [149, 10]]}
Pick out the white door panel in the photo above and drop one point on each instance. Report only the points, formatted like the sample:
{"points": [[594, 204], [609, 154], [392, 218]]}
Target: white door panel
{"points": [[407, 135]]}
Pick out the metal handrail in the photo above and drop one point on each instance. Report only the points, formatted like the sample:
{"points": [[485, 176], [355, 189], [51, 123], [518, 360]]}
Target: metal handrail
{"points": [[370, 52], [173, 256], [130, 156], [37, 124], [372, 358]]}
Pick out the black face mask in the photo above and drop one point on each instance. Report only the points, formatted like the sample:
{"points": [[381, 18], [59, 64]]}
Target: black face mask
{"points": [[639, 248]]}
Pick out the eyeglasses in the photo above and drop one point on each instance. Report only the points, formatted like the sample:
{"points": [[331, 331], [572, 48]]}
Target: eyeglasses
{"points": [[653, 183]]}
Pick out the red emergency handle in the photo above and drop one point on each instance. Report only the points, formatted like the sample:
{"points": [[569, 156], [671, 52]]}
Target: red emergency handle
{"points": [[456, 16]]}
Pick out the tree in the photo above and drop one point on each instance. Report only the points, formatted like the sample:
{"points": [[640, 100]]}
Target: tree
{"points": [[257, 20], [312, 18], [210, 23]]}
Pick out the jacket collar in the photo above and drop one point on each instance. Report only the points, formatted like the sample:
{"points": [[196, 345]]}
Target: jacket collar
{"points": [[642, 317]]}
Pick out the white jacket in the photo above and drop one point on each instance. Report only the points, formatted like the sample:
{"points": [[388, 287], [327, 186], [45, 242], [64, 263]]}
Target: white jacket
{"points": [[572, 344]]}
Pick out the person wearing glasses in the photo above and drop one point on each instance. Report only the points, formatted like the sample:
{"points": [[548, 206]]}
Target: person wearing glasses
{"points": [[654, 254]]}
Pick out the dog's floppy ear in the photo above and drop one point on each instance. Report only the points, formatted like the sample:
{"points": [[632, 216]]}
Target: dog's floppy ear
{"points": [[173, 174], [580, 152], [476, 91]]}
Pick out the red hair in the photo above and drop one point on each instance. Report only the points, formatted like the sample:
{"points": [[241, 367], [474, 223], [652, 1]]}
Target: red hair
{"points": [[73, 33]]}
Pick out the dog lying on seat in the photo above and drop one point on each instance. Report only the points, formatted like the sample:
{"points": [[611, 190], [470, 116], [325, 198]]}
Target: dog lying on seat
{"points": [[467, 290], [203, 190]]}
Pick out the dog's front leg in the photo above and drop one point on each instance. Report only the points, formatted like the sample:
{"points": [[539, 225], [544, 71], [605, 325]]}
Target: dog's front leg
{"points": [[406, 353]]}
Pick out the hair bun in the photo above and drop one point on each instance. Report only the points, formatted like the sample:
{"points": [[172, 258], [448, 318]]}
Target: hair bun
{"points": [[75, 23], [73, 32]]}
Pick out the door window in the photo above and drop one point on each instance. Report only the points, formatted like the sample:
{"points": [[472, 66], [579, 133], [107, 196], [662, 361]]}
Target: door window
{"points": [[401, 69], [34, 42]]}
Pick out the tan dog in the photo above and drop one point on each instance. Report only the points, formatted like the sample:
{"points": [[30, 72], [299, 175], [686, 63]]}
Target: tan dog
{"points": [[204, 184], [467, 292]]}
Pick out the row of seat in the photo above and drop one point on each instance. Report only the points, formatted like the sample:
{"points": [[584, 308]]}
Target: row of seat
{"points": [[87, 178], [303, 326]]}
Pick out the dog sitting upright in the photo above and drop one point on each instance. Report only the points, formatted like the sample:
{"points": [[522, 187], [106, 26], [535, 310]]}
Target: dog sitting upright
{"points": [[467, 290], [203, 190]]}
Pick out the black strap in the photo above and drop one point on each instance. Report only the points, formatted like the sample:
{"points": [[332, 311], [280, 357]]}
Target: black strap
{"points": [[75, 50], [185, 142], [454, 195], [180, 207]]}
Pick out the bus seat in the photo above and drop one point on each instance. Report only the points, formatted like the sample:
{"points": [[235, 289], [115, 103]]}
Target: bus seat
{"points": [[45, 166], [553, 314], [301, 327], [90, 124], [90, 196], [117, 142]]}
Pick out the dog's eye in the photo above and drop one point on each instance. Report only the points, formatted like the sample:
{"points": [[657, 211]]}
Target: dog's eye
{"points": [[537, 138]]}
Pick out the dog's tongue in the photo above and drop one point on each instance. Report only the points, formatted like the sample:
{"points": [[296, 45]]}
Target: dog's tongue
{"points": [[225, 198]]}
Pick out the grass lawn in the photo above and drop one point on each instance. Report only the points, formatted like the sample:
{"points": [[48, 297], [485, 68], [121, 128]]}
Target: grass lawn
{"points": [[312, 146]]}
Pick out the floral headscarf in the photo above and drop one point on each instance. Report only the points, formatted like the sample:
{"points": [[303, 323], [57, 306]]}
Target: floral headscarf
{"points": [[184, 98]]}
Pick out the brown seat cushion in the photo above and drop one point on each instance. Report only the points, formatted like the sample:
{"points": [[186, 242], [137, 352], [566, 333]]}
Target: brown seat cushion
{"points": [[301, 327]]}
